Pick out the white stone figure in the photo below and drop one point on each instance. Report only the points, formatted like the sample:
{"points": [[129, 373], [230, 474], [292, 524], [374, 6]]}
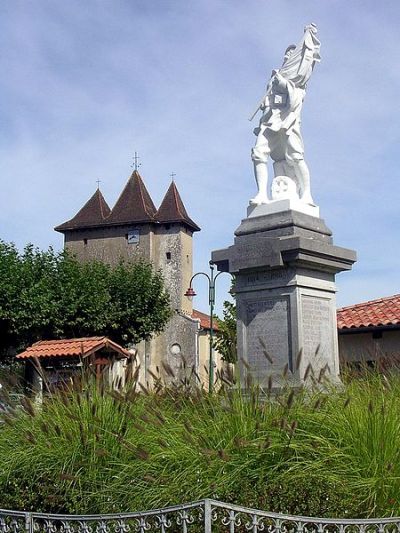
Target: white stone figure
{"points": [[278, 134]]}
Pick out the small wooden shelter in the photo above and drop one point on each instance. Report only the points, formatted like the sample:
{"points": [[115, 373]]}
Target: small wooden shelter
{"points": [[57, 361]]}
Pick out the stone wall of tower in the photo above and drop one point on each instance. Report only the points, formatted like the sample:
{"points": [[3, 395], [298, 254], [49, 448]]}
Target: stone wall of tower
{"points": [[177, 346], [169, 248], [173, 255], [110, 244]]}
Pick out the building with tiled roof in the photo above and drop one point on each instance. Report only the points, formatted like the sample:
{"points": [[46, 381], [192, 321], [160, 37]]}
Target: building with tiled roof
{"points": [[370, 330], [70, 348], [58, 361], [135, 229], [374, 313]]}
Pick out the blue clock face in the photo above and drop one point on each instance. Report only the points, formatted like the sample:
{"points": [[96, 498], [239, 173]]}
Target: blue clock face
{"points": [[133, 236]]}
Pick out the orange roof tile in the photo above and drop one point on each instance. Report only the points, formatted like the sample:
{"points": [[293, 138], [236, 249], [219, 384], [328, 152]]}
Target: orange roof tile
{"points": [[71, 348], [204, 320], [380, 312]]}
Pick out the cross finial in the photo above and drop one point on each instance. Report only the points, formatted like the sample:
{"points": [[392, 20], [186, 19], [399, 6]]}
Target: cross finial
{"points": [[98, 181], [136, 163], [172, 176]]}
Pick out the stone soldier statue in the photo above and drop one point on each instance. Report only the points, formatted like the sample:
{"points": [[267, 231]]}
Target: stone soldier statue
{"points": [[278, 134]]}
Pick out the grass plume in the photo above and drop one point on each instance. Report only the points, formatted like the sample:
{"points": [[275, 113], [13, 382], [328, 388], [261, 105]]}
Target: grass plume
{"points": [[92, 450]]}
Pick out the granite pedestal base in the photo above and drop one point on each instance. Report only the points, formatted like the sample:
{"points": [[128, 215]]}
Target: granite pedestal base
{"points": [[285, 266]]}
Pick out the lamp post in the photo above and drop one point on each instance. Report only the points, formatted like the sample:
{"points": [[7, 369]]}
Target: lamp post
{"points": [[211, 300]]}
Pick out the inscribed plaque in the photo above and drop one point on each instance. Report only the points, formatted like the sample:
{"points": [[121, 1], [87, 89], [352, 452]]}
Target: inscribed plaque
{"points": [[318, 342], [267, 330]]}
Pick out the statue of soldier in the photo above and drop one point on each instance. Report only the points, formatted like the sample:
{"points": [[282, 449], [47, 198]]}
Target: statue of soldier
{"points": [[278, 134]]}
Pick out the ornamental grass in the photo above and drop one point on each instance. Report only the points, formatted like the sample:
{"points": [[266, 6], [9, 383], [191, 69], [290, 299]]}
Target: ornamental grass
{"points": [[89, 449]]}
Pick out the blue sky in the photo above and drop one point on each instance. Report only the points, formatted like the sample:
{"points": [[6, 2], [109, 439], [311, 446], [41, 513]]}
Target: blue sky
{"points": [[84, 85]]}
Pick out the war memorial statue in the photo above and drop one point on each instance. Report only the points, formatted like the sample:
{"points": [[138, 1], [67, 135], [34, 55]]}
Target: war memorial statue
{"points": [[278, 135], [283, 257]]}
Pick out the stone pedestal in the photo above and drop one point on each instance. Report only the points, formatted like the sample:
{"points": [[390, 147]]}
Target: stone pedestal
{"points": [[285, 265]]}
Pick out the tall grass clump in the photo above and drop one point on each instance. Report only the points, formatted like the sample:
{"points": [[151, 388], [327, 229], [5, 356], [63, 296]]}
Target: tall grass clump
{"points": [[89, 449]]}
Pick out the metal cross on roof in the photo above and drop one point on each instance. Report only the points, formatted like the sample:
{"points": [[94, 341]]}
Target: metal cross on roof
{"points": [[172, 176], [98, 183], [136, 163]]}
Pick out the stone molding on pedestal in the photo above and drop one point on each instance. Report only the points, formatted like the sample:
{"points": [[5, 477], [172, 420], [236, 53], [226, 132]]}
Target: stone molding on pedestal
{"points": [[285, 265], [280, 205]]}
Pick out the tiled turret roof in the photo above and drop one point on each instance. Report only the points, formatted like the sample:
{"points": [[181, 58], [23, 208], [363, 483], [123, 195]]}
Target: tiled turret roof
{"points": [[172, 209], [92, 214], [134, 203], [134, 206], [381, 312]]}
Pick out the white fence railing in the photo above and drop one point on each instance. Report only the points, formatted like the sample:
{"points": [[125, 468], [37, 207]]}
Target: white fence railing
{"points": [[203, 516]]}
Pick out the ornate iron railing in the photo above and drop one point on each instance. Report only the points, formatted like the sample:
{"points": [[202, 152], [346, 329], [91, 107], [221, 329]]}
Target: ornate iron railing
{"points": [[203, 516]]}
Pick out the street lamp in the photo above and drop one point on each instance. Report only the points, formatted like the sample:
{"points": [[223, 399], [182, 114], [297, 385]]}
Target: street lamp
{"points": [[211, 300]]}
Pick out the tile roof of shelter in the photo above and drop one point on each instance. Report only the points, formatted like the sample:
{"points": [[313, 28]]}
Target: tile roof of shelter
{"points": [[204, 320], [82, 347], [134, 204], [92, 214], [173, 210], [380, 312]]}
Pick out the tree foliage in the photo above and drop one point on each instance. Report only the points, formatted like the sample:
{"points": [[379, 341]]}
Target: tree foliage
{"points": [[225, 340], [44, 294]]}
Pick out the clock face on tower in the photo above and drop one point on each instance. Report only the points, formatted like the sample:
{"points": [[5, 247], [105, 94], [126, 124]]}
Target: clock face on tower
{"points": [[133, 236]]}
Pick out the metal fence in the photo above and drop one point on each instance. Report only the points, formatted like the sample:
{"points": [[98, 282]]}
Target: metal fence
{"points": [[203, 516]]}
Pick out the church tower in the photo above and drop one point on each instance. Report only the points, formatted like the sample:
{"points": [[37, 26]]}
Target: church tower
{"points": [[134, 229]]}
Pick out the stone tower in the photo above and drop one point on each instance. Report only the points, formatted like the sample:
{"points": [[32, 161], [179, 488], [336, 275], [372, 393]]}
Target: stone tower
{"points": [[134, 229], [173, 249]]}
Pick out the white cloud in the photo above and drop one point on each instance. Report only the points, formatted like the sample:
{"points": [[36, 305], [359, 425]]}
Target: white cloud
{"points": [[86, 84]]}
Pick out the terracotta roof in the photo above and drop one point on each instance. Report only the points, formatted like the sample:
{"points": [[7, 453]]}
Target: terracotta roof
{"points": [[204, 320], [71, 348], [134, 204], [172, 209], [381, 312], [92, 214]]}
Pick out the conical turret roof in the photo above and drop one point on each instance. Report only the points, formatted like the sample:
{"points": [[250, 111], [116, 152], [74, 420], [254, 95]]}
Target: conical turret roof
{"points": [[134, 204], [92, 214], [172, 209]]}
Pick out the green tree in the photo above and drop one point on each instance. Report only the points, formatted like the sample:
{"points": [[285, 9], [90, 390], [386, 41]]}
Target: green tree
{"points": [[82, 292], [44, 294], [225, 340], [139, 303], [9, 290], [33, 308]]}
